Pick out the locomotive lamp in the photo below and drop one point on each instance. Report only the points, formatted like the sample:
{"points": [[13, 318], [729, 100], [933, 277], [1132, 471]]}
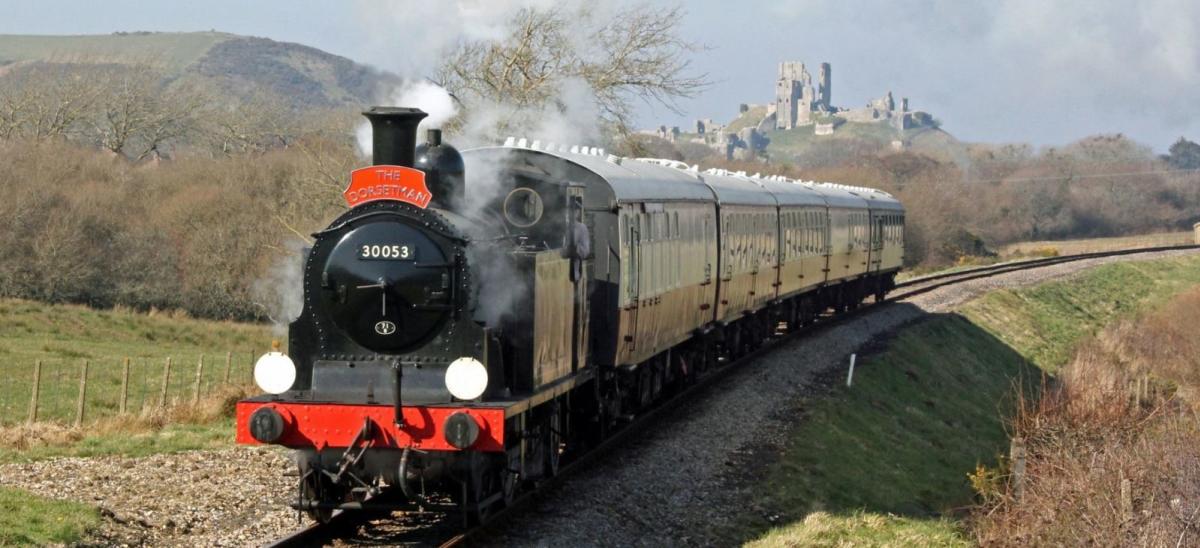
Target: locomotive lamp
{"points": [[274, 372], [466, 378]]}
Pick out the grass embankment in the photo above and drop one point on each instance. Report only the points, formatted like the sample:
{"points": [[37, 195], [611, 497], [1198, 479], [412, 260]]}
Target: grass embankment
{"points": [[27, 519], [886, 461], [1093, 245], [62, 337], [1055, 248]]}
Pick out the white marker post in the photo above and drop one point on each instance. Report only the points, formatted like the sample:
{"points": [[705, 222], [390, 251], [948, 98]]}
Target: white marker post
{"points": [[850, 376]]}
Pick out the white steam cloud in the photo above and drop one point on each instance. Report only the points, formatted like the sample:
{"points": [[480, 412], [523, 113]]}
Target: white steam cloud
{"points": [[408, 37], [422, 94], [281, 292]]}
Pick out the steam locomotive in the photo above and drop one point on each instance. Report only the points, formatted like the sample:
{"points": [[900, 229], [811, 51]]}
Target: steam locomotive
{"points": [[475, 318]]}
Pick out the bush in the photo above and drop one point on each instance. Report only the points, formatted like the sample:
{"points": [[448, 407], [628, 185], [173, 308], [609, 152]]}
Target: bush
{"points": [[82, 226], [1114, 447]]}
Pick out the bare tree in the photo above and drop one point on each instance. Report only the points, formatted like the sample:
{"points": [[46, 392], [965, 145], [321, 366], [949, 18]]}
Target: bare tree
{"points": [[44, 101], [255, 124], [640, 56], [141, 112], [634, 54], [14, 109]]}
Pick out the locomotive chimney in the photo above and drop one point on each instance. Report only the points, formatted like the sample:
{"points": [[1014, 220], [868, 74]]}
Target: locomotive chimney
{"points": [[444, 171], [394, 134]]}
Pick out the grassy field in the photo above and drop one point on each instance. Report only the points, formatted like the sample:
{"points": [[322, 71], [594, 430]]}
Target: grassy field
{"points": [[30, 520], [115, 438], [174, 50], [886, 461], [1055, 248], [62, 337], [750, 118], [1043, 323], [797, 143], [1091, 245]]}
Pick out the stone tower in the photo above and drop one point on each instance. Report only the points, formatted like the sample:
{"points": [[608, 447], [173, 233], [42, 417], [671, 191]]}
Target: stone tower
{"points": [[796, 98], [789, 92], [824, 88]]}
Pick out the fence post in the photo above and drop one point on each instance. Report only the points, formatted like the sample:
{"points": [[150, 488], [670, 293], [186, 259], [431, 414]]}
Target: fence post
{"points": [[1016, 457], [125, 386], [1126, 498], [162, 395], [228, 365], [82, 395], [145, 386], [199, 380], [37, 385]]}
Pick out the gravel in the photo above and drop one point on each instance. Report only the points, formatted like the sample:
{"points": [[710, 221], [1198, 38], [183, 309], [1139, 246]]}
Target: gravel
{"points": [[231, 497], [677, 484]]}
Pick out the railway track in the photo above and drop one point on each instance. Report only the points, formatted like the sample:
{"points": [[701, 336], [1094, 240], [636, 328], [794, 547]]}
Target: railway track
{"points": [[345, 524]]}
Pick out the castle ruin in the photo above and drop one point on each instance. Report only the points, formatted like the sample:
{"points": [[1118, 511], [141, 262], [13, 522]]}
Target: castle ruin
{"points": [[798, 103], [796, 99]]}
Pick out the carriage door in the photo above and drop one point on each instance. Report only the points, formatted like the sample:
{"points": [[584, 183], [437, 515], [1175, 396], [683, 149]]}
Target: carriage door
{"points": [[876, 257], [634, 277], [582, 266], [756, 232]]}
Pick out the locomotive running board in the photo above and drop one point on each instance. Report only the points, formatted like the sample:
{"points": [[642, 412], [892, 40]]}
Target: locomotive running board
{"points": [[545, 394]]}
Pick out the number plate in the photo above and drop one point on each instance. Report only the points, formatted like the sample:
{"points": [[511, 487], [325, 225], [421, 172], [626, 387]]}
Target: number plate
{"points": [[386, 252]]}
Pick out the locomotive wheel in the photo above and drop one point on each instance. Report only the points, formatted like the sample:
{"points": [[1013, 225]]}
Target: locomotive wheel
{"points": [[645, 384], [510, 484], [313, 487], [485, 482]]}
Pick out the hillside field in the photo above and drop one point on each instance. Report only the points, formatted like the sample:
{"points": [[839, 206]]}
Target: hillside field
{"points": [[62, 337], [240, 67], [175, 51]]}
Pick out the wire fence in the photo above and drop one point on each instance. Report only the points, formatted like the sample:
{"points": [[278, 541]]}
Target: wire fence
{"points": [[78, 391]]}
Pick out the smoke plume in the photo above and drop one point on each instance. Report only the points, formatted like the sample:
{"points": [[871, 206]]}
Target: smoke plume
{"points": [[422, 94], [281, 292]]}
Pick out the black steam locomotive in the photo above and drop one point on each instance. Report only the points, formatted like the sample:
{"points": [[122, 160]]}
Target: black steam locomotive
{"points": [[474, 318]]}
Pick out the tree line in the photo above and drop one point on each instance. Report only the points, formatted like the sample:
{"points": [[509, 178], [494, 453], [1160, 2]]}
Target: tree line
{"points": [[124, 185], [965, 205]]}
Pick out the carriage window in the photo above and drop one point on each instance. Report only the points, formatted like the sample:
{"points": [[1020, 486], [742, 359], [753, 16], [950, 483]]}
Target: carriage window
{"points": [[807, 228]]}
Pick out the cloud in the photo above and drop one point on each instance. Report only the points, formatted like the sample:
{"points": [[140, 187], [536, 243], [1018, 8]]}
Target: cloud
{"points": [[1048, 71], [408, 37]]}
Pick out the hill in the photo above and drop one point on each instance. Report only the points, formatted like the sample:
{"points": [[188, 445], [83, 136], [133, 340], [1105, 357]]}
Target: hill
{"points": [[238, 65], [804, 148]]}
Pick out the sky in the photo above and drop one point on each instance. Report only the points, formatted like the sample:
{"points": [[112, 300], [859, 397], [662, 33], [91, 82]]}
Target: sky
{"points": [[1042, 71]]}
